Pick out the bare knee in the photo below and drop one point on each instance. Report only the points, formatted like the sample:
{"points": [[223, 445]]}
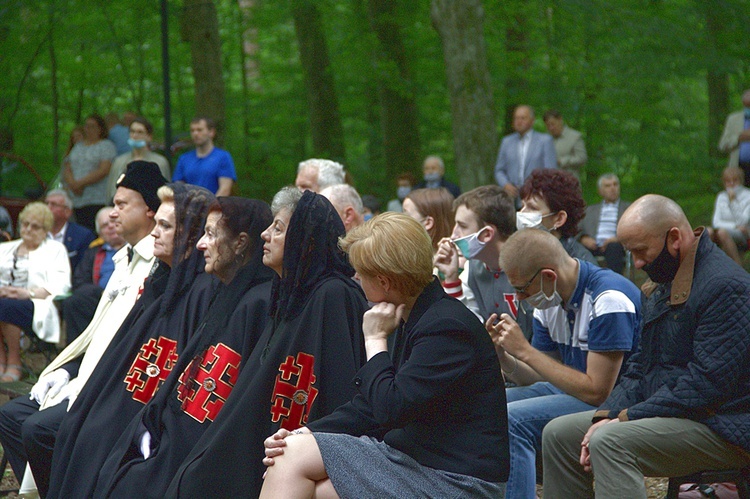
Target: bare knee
{"points": [[301, 459]]}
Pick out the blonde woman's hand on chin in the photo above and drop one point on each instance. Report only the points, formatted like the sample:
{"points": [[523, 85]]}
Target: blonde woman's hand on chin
{"points": [[378, 323]]}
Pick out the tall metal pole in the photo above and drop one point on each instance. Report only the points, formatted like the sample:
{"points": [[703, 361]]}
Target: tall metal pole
{"points": [[165, 80]]}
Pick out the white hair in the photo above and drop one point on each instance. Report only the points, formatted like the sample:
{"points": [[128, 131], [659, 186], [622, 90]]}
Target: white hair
{"points": [[60, 192], [107, 210], [287, 198], [329, 172], [436, 158], [343, 195], [606, 176]]}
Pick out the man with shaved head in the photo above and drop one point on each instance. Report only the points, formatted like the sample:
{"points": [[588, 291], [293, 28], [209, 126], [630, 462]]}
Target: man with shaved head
{"points": [[586, 322], [683, 403]]}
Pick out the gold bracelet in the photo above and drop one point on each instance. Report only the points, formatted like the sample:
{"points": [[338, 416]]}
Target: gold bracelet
{"points": [[515, 367]]}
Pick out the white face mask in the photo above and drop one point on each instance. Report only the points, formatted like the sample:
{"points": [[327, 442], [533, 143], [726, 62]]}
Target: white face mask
{"points": [[531, 220], [541, 301], [470, 246]]}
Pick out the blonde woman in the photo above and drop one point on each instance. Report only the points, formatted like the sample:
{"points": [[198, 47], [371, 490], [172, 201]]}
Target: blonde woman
{"points": [[428, 419], [33, 270]]}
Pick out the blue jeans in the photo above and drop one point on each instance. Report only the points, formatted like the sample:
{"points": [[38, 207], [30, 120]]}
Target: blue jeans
{"points": [[530, 408]]}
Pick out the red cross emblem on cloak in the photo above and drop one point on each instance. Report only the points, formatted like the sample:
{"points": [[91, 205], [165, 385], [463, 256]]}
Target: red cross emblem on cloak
{"points": [[151, 367], [212, 384], [293, 393]]}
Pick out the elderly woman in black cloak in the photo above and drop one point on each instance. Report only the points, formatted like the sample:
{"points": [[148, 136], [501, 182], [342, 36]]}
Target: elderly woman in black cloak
{"points": [[429, 418], [202, 379], [144, 350], [300, 370]]}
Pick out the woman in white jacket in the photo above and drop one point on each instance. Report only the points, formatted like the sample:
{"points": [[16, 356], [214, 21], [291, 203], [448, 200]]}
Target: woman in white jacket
{"points": [[33, 270]]}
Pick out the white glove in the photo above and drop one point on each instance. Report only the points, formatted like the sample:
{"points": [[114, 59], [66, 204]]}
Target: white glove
{"points": [[49, 385], [146, 444]]}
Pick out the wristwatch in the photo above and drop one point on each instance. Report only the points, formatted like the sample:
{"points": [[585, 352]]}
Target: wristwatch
{"points": [[32, 295]]}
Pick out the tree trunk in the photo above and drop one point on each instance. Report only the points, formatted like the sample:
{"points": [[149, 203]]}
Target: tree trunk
{"points": [[717, 77], [323, 107], [248, 35], [475, 139], [54, 89], [518, 65], [199, 25], [399, 120], [249, 41]]}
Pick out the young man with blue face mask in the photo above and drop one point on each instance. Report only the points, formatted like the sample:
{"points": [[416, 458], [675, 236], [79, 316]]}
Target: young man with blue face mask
{"points": [[141, 135], [587, 320], [485, 218]]}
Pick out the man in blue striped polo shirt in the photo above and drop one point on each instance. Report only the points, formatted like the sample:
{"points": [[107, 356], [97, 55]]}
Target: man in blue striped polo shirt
{"points": [[587, 321]]}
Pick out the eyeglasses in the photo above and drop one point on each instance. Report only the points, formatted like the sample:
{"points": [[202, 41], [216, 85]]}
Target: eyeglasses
{"points": [[522, 290], [31, 226]]}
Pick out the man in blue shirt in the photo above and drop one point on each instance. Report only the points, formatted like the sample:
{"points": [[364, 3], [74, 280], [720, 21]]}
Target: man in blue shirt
{"points": [[587, 320], [206, 165]]}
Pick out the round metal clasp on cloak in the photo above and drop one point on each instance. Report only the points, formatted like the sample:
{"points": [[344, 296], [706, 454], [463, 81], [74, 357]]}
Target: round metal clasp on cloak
{"points": [[300, 397]]}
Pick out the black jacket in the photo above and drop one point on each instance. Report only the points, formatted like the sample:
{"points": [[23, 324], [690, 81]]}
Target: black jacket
{"points": [[694, 357], [448, 185], [122, 383], [441, 400], [322, 344]]}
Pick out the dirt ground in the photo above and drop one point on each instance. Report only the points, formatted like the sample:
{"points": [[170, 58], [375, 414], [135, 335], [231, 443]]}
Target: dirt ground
{"points": [[656, 487]]}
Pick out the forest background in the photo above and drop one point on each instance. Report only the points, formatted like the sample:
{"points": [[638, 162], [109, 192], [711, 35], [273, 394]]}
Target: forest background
{"points": [[380, 84]]}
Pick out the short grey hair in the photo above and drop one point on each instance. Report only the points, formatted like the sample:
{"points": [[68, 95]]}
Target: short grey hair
{"points": [[107, 210], [606, 176], [343, 195], [329, 172], [436, 158], [286, 199], [60, 192]]}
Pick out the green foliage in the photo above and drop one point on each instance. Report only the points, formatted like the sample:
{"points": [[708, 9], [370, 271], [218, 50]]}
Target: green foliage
{"points": [[631, 75]]}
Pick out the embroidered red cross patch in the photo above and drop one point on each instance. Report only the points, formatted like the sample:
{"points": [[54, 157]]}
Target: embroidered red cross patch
{"points": [[151, 367], [293, 393], [213, 382]]}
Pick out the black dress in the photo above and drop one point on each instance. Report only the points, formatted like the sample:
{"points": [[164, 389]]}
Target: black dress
{"points": [[140, 356], [301, 369]]}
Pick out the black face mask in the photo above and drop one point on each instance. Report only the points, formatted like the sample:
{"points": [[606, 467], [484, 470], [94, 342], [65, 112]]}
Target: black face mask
{"points": [[664, 267]]}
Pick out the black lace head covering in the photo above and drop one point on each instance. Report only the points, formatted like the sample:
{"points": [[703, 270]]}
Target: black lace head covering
{"points": [[252, 217], [238, 215], [191, 205], [311, 254]]}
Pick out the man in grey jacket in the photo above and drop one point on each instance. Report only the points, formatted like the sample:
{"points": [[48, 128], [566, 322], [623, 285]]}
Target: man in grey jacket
{"points": [[569, 146]]}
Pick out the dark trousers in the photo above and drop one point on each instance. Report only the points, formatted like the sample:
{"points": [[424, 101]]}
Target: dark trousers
{"points": [[745, 165], [28, 434], [86, 215], [79, 308], [614, 255]]}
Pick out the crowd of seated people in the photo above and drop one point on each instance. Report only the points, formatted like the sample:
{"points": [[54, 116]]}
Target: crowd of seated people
{"points": [[313, 348]]}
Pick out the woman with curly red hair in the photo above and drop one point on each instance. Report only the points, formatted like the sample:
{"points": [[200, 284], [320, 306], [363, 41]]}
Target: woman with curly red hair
{"points": [[553, 201]]}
